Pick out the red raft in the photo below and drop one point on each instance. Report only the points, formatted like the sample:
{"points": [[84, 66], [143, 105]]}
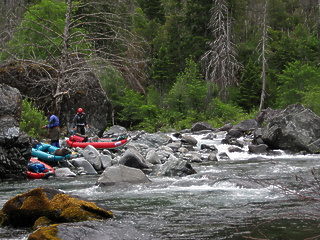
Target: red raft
{"points": [[103, 143], [46, 173]]}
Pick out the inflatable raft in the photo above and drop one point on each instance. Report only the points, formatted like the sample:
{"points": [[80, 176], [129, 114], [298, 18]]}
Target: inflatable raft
{"points": [[39, 173], [46, 152], [102, 143]]}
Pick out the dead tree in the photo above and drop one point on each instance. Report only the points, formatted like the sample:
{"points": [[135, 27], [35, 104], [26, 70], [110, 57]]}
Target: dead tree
{"points": [[220, 60], [81, 46], [263, 57]]}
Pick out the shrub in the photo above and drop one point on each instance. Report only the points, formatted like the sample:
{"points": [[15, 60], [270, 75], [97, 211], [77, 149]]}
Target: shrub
{"points": [[32, 120]]}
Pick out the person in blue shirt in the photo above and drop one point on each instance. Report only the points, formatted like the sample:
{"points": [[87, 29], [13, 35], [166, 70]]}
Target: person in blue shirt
{"points": [[54, 130]]}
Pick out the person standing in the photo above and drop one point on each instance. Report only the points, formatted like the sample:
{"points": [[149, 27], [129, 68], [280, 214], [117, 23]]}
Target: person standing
{"points": [[54, 130], [80, 122]]}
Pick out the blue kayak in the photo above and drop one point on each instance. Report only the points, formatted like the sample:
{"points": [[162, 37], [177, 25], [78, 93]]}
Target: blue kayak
{"points": [[46, 151]]}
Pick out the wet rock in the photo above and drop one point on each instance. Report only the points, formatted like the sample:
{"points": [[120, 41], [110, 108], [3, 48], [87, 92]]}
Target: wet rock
{"points": [[53, 205], [223, 156], [235, 149], [209, 147], [173, 167], [261, 148], [89, 230], [187, 139], [212, 157], [64, 172], [122, 174]]}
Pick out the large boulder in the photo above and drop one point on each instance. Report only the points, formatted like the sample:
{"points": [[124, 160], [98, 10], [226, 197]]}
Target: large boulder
{"points": [[295, 128], [39, 82], [122, 174], [15, 146], [133, 158], [173, 167], [44, 206]]}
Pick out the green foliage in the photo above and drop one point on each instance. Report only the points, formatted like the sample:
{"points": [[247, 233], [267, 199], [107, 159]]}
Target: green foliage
{"points": [[172, 30], [32, 120], [40, 34], [249, 91], [311, 99], [153, 10], [113, 84], [189, 91], [220, 112], [131, 103], [296, 80]]}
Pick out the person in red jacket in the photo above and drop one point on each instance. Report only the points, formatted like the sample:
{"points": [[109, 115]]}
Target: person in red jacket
{"points": [[80, 122]]}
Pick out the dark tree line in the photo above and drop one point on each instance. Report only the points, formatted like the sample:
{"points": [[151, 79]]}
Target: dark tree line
{"points": [[249, 54]]}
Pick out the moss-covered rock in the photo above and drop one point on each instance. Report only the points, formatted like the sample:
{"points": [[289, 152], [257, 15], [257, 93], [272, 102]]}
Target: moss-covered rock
{"points": [[42, 206], [45, 233]]}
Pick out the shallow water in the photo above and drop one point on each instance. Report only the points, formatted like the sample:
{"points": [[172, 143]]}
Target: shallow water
{"points": [[228, 199]]}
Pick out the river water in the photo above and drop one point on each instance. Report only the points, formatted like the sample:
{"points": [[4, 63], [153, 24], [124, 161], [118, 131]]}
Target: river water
{"points": [[261, 196]]}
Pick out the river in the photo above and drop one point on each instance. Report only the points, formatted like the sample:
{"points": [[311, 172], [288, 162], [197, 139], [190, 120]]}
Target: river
{"points": [[266, 197]]}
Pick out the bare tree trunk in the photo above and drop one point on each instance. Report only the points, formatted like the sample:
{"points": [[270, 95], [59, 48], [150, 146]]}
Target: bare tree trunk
{"points": [[62, 78], [220, 61], [264, 61]]}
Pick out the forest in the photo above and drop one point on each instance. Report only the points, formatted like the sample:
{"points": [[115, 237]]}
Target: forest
{"points": [[169, 63]]}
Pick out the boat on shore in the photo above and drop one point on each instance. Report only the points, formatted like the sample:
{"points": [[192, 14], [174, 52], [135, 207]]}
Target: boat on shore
{"points": [[43, 173], [101, 143], [48, 153]]}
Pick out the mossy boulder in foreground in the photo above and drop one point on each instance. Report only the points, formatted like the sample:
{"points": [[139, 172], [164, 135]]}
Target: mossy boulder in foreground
{"points": [[44, 206]]}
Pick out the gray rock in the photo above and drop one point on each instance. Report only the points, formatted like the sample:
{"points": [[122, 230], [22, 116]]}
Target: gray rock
{"points": [[122, 174], [212, 157], [173, 167], [189, 140], [106, 161], [132, 158], [83, 163], [199, 126], [234, 149], [64, 172], [115, 131], [261, 148], [152, 157], [15, 146], [92, 155], [295, 128]]}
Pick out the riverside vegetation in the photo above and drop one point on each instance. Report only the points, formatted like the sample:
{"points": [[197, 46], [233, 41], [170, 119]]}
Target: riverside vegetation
{"points": [[167, 64]]}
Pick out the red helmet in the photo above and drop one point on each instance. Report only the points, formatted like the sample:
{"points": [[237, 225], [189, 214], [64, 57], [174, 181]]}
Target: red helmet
{"points": [[80, 110]]}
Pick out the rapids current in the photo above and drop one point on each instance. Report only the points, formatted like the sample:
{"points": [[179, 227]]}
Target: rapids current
{"points": [[270, 197]]}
